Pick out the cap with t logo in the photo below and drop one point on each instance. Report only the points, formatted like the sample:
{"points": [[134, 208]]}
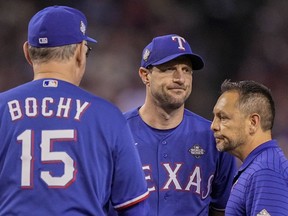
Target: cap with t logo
{"points": [[165, 48]]}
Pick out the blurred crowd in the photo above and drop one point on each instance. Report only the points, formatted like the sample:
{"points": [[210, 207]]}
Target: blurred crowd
{"points": [[237, 40]]}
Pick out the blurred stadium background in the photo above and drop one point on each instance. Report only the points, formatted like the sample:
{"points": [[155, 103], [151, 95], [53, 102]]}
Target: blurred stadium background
{"points": [[237, 40]]}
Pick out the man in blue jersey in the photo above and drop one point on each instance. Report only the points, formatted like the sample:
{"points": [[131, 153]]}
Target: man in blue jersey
{"points": [[243, 120], [186, 175], [64, 151]]}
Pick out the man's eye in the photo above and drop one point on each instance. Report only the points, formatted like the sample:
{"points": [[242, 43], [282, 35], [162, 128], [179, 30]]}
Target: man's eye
{"points": [[188, 70], [221, 117], [167, 69]]}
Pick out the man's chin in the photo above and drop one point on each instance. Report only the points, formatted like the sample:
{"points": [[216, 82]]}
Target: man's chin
{"points": [[220, 146]]}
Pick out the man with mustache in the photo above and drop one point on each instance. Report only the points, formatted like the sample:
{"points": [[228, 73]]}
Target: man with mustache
{"points": [[242, 125]]}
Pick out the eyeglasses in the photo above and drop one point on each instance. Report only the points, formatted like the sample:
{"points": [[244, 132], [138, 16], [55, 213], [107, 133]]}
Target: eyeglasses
{"points": [[88, 50]]}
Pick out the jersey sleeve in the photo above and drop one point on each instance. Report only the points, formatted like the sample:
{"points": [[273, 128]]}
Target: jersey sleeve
{"points": [[139, 209], [129, 184], [267, 192], [223, 181]]}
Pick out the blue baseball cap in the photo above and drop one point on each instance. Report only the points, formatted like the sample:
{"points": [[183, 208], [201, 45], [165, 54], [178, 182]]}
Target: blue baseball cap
{"points": [[57, 26], [165, 48]]}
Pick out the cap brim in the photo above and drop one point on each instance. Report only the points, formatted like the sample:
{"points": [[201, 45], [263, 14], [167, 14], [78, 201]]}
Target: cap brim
{"points": [[91, 40], [197, 62]]}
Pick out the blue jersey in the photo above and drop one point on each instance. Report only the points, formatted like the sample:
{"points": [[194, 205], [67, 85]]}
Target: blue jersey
{"points": [[64, 151], [261, 185], [184, 171]]}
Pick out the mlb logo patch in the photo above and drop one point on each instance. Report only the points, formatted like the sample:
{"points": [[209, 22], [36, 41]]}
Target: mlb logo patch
{"points": [[50, 83], [43, 40]]}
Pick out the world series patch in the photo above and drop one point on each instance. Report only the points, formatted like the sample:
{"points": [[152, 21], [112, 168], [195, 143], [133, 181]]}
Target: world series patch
{"points": [[263, 212], [197, 151]]}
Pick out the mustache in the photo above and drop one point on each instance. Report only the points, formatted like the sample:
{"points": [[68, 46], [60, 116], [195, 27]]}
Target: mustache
{"points": [[177, 87], [218, 136]]}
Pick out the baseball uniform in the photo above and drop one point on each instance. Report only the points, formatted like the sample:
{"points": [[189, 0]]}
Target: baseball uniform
{"points": [[64, 151], [184, 171]]}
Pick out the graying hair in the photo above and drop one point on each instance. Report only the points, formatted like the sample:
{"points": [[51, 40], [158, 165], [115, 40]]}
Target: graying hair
{"points": [[43, 55], [253, 98]]}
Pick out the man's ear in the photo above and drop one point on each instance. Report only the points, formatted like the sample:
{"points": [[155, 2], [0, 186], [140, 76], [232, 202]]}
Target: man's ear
{"points": [[143, 73], [255, 123], [26, 53], [81, 53]]}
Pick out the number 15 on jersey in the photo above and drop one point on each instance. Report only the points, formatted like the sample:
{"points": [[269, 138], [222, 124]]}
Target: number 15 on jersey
{"points": [[48, 137]]}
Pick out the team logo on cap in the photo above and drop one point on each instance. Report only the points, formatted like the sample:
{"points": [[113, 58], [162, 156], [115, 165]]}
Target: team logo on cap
{"points": [[181, 41], [146, 54], [82, 27], [196, 151]]}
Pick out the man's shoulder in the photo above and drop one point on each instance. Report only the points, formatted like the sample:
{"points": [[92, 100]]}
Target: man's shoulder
{"points": [[131, 114], [270, 160], [196, 120]]}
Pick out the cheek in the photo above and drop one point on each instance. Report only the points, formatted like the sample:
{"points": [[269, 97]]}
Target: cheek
{"points": [[237, 130], [189, 83], [189, 79], [227, 127], [189, 90]]}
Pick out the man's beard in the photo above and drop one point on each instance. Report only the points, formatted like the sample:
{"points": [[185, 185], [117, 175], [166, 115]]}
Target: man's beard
{"points": [[170, 102]]}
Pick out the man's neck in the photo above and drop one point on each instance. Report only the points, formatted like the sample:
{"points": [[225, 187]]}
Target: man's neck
{"points": [[55, 70], [159, 118]]}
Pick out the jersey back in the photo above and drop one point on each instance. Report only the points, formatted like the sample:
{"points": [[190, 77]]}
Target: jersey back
{"points": [[64, 151]]}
